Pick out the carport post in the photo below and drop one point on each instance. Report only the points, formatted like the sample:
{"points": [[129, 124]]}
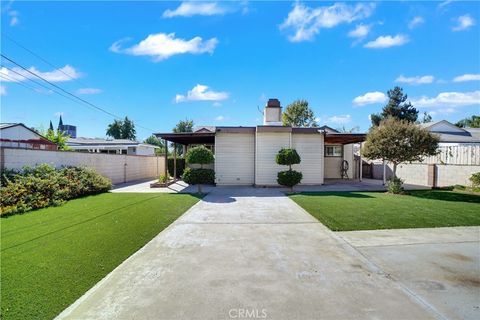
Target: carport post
{"points": [[166, 158], [174, 161]]}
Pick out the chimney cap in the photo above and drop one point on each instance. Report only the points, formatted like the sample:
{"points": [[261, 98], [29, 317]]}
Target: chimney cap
{"points": [[273, 103]]}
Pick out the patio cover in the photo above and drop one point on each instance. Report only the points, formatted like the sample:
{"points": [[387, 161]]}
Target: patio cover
{"points": [[187, 138]]}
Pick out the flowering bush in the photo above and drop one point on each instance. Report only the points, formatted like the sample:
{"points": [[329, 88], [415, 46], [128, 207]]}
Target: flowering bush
{"points": [[43, 186]]}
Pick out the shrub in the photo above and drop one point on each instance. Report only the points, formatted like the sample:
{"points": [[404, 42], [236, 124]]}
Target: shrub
{"points": [[475, 179], [199, 176], [180, 166], [164, 178], [199, 155], [289, 178], [287, 157], [43, 186], [395, 186]]}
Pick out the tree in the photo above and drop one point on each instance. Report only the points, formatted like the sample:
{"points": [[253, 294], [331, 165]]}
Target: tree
{"points": [[426, 118], [399, 141], [397, 107], [122, 129], [154, 141], [199, 155], [57, 137], [298, 114], [472, 122], [128, 129], [343, 129], [183, 126], [288, 157]]}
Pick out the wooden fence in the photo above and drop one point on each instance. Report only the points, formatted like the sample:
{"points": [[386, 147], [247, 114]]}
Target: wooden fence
{"points": [[460, 155]]}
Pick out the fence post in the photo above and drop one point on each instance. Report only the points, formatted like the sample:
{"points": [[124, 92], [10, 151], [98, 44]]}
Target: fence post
{"points": [[432, 175]]}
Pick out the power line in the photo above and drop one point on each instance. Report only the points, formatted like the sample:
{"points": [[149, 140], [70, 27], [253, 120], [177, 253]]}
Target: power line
{"points": [[41, 58], [65, 91], [16, 82], [38, 83]]}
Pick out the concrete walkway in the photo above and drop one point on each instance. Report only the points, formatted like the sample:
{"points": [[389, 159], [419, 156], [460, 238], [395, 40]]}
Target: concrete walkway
{"points": [[243, 252]]}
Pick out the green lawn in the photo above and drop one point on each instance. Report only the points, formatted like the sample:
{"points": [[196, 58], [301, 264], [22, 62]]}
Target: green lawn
{"points": [[345, 211], [51, 256]]}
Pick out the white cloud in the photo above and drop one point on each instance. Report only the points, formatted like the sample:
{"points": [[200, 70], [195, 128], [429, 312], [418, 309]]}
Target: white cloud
{"points": [[341, 119], [467, 77], [415, 22], [59, 75], [464, 23], [361, 31], [14, 20], [188, 9], [415, 80], [162, 46], [201, 93], [449, 99], [387, 42], [217, 104], [306, 22], [89, 91], [444, 3], [370, 98], [219, 118], [3, 90]]}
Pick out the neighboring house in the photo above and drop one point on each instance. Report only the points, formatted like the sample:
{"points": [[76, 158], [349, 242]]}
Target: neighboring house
{"points": [[18, 135], [246, 155], [111, 146], [451, 135], [67, 129]]}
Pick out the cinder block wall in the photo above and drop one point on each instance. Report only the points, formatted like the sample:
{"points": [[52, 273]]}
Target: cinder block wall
{"points": [[417, 173], [118, 168]]}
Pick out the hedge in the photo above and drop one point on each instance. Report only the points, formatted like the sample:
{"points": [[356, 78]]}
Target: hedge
{"points": [[180, 166], [199, 176], [43, 186]]}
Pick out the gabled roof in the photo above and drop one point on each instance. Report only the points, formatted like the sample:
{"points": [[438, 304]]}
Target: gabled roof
{"points": [[448, 132], [11, 125]]}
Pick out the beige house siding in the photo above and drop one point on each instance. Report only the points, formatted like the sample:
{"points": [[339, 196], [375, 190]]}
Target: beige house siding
{"points": [[332, 167], [348, 155], [310, 148], [267, 146], [235, 158]]}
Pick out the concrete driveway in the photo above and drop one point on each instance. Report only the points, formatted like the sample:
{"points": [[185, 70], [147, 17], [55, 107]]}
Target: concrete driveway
{"points": [[439, 265], [248, 253]]}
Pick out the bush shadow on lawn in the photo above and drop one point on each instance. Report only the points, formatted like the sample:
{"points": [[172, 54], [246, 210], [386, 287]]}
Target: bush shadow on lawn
{"points": [[444, 195], [344, 194]]}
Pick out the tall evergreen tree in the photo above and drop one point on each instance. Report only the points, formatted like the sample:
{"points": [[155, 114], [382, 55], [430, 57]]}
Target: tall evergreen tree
{"points": [[397, 107], [51, 126]]}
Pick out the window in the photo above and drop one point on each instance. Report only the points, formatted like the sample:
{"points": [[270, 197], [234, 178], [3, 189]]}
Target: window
{"points": [[333, 151]]}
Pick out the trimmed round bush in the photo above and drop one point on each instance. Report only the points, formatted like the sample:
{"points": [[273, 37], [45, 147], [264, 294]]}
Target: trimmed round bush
{"points": [[289, 178], [199, 155], [287, 157], [198, 176]]}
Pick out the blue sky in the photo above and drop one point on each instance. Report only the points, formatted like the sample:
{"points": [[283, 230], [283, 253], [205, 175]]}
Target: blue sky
{"points": [[218, 62]]}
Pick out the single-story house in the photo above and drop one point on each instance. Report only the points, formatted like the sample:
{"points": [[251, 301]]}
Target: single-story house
{"points": [[111, 146], [18, 135], [246, 155], [451, 135]]}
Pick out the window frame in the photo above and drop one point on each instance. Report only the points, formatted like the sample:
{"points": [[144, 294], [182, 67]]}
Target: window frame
{"points": [[333, 155]]}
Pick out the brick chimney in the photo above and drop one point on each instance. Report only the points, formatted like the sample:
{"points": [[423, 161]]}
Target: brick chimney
{"points": [[272, 115]]}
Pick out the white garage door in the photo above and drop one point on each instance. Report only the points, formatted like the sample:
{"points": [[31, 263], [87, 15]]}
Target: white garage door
{"points": [[235, 158]]}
